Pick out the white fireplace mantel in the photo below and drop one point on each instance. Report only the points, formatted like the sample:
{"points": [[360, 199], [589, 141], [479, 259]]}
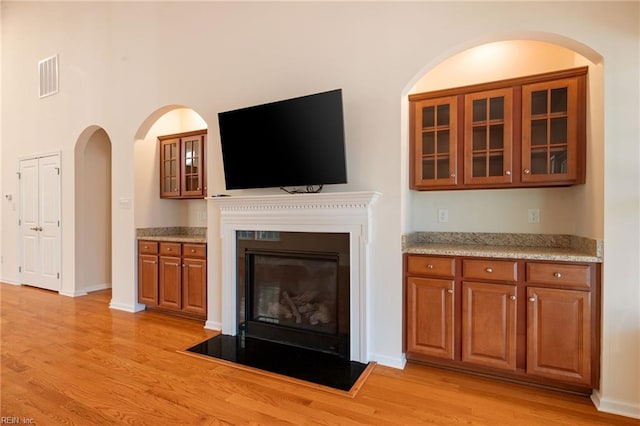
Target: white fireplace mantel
{"points": [[347, 212]]}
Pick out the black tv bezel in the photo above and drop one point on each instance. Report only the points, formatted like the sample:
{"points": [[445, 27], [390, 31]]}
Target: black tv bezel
{"points": [[340, 177]]}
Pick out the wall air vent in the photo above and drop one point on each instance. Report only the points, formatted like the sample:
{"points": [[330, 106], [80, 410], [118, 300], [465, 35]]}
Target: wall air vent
{"points": [[48, 73]]}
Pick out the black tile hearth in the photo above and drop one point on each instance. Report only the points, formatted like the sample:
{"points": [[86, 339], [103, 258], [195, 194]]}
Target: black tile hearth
{"points": [[299, 363]]}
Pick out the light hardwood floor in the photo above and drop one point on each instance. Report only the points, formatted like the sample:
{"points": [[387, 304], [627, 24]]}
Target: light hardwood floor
{"points": [[74, 361]]}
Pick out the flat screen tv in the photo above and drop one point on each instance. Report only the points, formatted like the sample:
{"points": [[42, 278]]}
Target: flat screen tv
{"points": [[295, 142]]}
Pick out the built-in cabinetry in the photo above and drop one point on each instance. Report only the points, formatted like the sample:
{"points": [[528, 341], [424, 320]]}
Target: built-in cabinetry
{"points": [[172, 276], [530, 320], [182, 165], [522, 132]]}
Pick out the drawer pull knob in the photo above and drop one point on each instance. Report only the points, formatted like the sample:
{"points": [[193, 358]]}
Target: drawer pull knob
{"points": [[193, 251], [429, 266], [512, 297], [489, 270], [557, 274], [450, 291], [146, 247], [532, 299], [169, 249]]}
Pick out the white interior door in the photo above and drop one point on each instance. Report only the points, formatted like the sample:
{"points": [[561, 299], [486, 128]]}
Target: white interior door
{"points": [[40, 221]]}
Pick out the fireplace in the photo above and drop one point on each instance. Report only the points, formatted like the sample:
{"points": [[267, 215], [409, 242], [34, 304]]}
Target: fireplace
{"points": [[293, 288], [347, 213]]}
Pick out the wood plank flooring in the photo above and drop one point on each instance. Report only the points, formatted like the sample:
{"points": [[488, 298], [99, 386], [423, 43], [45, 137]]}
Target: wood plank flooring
{"points": [[74, 361]]}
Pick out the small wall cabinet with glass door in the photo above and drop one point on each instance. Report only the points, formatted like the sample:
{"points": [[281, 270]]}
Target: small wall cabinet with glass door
{"points": [[434, 142], [182, 165], [521, 132]]}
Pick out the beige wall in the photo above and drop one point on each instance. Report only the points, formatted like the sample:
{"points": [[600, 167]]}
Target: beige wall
{"points": [[123, 61]]}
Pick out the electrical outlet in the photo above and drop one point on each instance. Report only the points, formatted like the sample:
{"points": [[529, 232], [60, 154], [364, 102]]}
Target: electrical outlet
{"points": [[443, 215], [533, 216]]}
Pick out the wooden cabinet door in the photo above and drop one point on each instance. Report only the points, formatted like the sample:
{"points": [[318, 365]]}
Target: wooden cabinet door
{"points": [[148, 279], [170, 283], [489, 325], [550, 131], [194, 286], [488, 123], [559, 334], [430, 321], [434, 140], [170, 168], [192, 166]]}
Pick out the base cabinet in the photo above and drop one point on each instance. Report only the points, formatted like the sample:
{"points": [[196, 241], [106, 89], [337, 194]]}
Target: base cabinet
{"points": [[174, 279], [559, 334], [489, 325], [531, 321], [430, 319]]}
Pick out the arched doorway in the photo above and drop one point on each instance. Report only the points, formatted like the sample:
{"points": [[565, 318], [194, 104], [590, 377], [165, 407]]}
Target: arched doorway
{"points": [[92, 211]]}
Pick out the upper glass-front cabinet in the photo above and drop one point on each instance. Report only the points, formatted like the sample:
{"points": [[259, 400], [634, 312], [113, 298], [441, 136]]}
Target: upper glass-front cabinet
{"points": [[488, 137], [522, 132], [435, 142], [550, 131], [182, 165]]}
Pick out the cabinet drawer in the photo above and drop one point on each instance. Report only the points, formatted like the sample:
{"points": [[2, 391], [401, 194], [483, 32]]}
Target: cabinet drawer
{"points": [[576, 276], [170, 249], [432, 266], [488, 269], [194, 250], [147, 247]]}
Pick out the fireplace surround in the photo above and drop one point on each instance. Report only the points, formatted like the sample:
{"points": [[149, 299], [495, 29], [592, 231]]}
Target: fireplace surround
{"points": [[348, 213]]}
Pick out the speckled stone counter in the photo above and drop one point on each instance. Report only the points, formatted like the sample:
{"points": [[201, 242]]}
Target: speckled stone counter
{"points": [[179, 234], [567, 248]]}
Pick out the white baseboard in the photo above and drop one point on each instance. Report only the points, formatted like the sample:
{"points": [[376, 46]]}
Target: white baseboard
{"points": [[97, 287], [213, 325], [389, 361], [9, 282], [136, 307], [612, 406], [75, 293]]}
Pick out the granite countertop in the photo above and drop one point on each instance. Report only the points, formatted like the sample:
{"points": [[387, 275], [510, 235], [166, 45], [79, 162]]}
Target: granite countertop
{"points": [[178, 234], [566, 248]]}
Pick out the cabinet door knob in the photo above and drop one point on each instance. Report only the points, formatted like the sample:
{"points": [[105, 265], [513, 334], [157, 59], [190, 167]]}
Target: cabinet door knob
{"points": [[512, 297], [489, 270], [508, 173], [527, 171], [532, 299], [450, 291], [429, 266], [453, 175], [557, 274]]}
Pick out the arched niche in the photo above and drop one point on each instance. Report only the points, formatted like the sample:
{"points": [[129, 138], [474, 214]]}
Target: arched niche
{"points": [[150, 210], [575, 210]]}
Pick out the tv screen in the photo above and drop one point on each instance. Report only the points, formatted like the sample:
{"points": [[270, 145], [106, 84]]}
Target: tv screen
{"points": [[288, 143]]}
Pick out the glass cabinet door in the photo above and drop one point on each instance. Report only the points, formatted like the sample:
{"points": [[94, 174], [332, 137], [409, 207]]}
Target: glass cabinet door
{"points": [[170, 168], [488, 137], [435, 133], [192, 176], [549, 131]]}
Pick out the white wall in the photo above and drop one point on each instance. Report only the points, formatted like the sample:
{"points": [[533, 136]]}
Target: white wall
{"points": [[120, 62]]}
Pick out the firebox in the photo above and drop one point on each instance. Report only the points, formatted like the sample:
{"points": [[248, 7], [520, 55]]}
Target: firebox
{"points": [[293, 288]]}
